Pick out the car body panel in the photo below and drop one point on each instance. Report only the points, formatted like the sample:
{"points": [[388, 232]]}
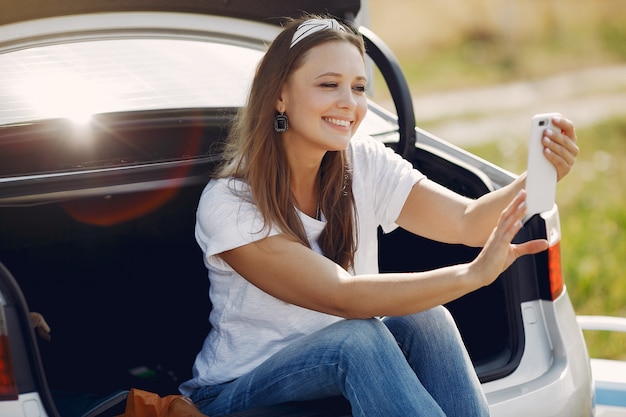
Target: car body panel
{"points": [[545, 395], [27, 405]]}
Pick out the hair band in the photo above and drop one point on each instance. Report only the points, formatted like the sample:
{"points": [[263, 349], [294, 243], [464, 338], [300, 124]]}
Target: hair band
{"points": [[314, 25]]}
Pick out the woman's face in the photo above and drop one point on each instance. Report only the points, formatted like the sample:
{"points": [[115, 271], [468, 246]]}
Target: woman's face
{"points": [[325, 98]]}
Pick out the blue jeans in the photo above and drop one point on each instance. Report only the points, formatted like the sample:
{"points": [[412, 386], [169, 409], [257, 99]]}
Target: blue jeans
{"points": [[412, 365]]}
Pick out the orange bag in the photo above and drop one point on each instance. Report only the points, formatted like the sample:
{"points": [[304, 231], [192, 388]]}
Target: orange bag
{"points": [[147, 404]]}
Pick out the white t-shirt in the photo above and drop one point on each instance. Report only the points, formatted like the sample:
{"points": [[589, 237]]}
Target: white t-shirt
{"points": [[249, 325]]}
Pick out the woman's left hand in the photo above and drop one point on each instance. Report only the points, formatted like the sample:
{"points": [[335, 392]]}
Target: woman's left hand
{"points": [[560, 146], [39, 324]]}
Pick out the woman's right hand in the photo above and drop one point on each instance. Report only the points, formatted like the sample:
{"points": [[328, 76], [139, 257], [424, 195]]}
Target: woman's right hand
{"points": [[499, 253]]}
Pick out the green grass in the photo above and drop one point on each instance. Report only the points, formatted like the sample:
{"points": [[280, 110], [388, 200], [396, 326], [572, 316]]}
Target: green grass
{"points": [[592, 206], [484, 57]]}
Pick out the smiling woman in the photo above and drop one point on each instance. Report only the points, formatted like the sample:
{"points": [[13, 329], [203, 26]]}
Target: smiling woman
{"points": [[288, 229]]}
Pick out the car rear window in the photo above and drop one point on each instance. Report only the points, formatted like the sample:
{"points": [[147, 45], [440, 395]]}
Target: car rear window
{"points": [[76, 80]]}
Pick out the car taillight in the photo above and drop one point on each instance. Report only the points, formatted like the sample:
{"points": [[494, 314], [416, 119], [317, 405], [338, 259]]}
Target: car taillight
{"points": [[554, 267], [553, 231], [8, 385]]}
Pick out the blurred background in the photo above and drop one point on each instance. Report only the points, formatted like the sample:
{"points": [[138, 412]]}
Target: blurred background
{"points": [[479, 69]]}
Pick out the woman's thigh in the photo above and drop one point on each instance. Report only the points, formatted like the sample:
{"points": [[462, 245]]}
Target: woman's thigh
{"points": [[435, 350], [359, 359]]}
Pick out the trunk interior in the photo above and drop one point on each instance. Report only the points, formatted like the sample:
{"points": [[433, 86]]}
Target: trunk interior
{"points": [[121, 282]]}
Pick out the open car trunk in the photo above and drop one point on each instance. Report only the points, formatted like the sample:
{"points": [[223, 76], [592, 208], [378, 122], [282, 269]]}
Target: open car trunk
{"points": [[110, 259]]}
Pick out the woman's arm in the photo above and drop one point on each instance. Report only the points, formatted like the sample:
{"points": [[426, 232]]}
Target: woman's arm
{"points": [[295, 274], [437, 213]]}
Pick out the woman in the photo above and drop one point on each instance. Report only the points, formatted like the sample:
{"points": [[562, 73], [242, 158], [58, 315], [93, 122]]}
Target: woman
{"points": [[288, 229]]}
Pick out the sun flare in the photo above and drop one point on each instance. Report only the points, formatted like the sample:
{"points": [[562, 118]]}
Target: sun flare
{"points": [[64, 94]]}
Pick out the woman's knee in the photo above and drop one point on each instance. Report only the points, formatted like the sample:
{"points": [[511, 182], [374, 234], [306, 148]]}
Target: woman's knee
{"points": [[365, 332], [427, 333], [363, 338], [436, 321]]}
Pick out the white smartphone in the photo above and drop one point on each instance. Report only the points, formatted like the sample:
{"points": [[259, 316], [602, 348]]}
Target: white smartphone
{"points": [[541, 174]]}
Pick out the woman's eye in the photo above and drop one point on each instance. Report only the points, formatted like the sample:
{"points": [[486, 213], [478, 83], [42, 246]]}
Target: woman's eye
{"points": [[329, 85], [359, 88]]}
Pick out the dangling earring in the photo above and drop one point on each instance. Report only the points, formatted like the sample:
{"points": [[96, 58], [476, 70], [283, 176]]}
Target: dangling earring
{"points": [[281, 122]]}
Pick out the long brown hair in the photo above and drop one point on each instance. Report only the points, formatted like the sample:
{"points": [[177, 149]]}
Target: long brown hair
{"points": [[254, 151]]}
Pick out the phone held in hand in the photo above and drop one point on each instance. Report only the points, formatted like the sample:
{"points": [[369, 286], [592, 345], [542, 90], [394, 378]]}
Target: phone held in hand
{"points": [[541, 174]]}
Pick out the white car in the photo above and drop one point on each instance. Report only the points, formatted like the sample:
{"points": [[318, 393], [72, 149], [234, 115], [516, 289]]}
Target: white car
{"points": [[111, 119]]}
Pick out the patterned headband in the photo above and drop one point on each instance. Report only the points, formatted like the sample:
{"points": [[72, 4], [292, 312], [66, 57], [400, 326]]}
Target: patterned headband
{"points": [[314, 25]]}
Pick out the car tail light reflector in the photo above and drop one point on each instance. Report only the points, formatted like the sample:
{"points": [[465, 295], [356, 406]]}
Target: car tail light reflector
{"points": [[8, 384], [554, 268], [553, 230]]}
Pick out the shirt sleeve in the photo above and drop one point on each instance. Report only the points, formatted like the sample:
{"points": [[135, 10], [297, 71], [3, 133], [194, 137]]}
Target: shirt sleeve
{"points": [[227, 218], [389, 177]]}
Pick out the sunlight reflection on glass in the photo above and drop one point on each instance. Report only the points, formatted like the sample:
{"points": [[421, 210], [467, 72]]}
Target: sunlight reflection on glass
{"points": [[64, 94]]}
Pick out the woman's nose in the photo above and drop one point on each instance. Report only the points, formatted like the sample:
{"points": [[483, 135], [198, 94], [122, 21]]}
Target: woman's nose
{"points": [[347, 98]]}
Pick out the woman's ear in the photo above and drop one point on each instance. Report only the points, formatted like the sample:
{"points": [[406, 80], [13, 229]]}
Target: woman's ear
{"points": [[280, 105]]}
